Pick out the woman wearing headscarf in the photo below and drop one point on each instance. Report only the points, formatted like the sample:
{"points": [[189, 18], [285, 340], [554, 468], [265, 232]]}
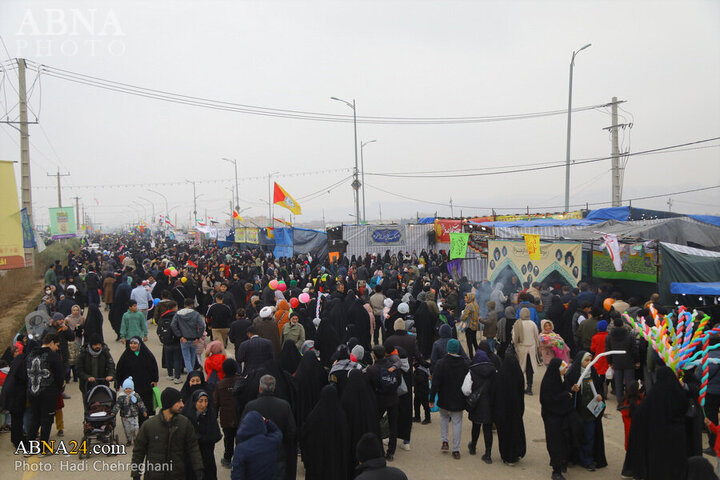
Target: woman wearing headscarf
{"points": [[289, 357], [484, 345], [525, 339], [504, 331], [425, 327], [405, 407], [657, 440], [508, 410], [310, 377], [137, 361], [556, 403], [324, 439], [327, 339], [358, 402], [93, 323], [479, 387], [589, 449], [282, 314], [195, 381], [200, 412], [552, 344]]}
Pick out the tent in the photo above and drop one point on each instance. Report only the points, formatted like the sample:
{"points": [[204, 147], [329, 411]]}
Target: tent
{"points": [[681, 264], [695, 288]]}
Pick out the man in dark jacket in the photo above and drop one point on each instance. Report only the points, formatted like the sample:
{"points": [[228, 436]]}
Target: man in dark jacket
{"points": [[620, 338], [373, 466], [448, 378], [385, 380], [238, 329], [439, 349], [267, 328], [167, 442], [94, 363], [257, 441], [46, 378], [279, 411], [255, 351], [226, 408], [402, 339]]}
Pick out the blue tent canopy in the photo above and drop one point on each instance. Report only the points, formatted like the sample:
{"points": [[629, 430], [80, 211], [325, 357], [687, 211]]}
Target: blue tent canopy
{"points": [[695, 288]]}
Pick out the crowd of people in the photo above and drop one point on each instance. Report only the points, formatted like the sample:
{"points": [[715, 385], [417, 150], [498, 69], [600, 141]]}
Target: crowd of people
{"points": [[335, 362]]}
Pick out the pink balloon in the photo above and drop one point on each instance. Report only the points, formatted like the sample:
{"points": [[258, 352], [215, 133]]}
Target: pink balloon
{"points": [[281, 286], [173, 273], [304, 298], [273, 284]]}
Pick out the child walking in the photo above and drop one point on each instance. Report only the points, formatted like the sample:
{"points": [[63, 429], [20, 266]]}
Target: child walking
{"points": [[130, 406]]}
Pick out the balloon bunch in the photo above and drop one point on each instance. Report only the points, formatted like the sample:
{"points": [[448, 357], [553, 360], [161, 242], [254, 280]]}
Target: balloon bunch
{"points": [[681, 345], [171, 272]]}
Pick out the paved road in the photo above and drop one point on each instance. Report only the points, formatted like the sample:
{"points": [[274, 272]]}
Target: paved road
{"points": [[423, 462]]}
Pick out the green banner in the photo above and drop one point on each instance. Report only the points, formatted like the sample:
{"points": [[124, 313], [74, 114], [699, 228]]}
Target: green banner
{"points": [[458, 245], [62, 223], [638, 264]]}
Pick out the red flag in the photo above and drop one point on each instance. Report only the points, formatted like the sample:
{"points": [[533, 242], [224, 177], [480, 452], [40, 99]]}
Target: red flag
{"points": [[192, 264]]}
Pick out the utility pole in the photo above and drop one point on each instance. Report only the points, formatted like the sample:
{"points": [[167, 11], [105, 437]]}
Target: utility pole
{"points": [[25, 180], [77, 212], [569, 122], [58, 175], [669, 204], [194, 202], [452, 215], [617, 171]]}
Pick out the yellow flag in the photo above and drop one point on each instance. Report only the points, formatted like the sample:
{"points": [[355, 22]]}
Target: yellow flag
{"points": [[12, 254], [532, 242]]}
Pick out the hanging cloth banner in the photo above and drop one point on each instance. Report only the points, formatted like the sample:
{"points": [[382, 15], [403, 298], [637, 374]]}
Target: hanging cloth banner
{"points": [[458, 245], [12, 254], [532, 243], [613, 246]]}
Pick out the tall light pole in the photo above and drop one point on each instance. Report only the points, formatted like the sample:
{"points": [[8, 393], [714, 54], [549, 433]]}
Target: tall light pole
{"points": [[194, 202], [271, 221], [362, 167], [237, 194], [167, 211], [356, 182], [567, 151]]}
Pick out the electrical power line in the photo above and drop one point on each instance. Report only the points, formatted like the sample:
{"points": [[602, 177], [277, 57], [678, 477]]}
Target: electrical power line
{"points": [[466, 173], [475, 207], [155, 94]]}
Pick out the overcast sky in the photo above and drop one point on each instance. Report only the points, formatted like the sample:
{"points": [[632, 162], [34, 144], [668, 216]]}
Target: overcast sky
{"points": [[395, 58]]}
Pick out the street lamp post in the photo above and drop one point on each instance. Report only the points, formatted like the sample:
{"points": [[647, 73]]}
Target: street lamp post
{"points": [[271, 220], [194, 202], [356, 182], [567, 151], [167, 210], [237, 193], [362, 167]]}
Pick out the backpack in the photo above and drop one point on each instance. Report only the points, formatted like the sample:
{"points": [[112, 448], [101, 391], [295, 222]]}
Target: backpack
{"points": [[389, 381], [165, 333]]}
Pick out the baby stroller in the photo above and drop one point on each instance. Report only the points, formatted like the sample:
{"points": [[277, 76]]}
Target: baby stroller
{"points": [[99, 422]]}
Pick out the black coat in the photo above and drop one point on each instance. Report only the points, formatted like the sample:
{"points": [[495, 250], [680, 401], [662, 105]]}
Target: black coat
{"points": [[93, 323], [324, 439], [377, 469], [358, 402], [279, 411], [483, 377], [657, 441], [509, 408], [556, 405], [143, 368], [309, 378], [448, 378]]}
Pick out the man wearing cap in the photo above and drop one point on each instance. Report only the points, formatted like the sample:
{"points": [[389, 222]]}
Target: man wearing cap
{"points": [[267, 328], [402, 339], [448, 377], [166, 447]]}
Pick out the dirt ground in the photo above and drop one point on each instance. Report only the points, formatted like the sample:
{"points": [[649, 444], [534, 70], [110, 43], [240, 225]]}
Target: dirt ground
{"points": [[424, 461]]}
